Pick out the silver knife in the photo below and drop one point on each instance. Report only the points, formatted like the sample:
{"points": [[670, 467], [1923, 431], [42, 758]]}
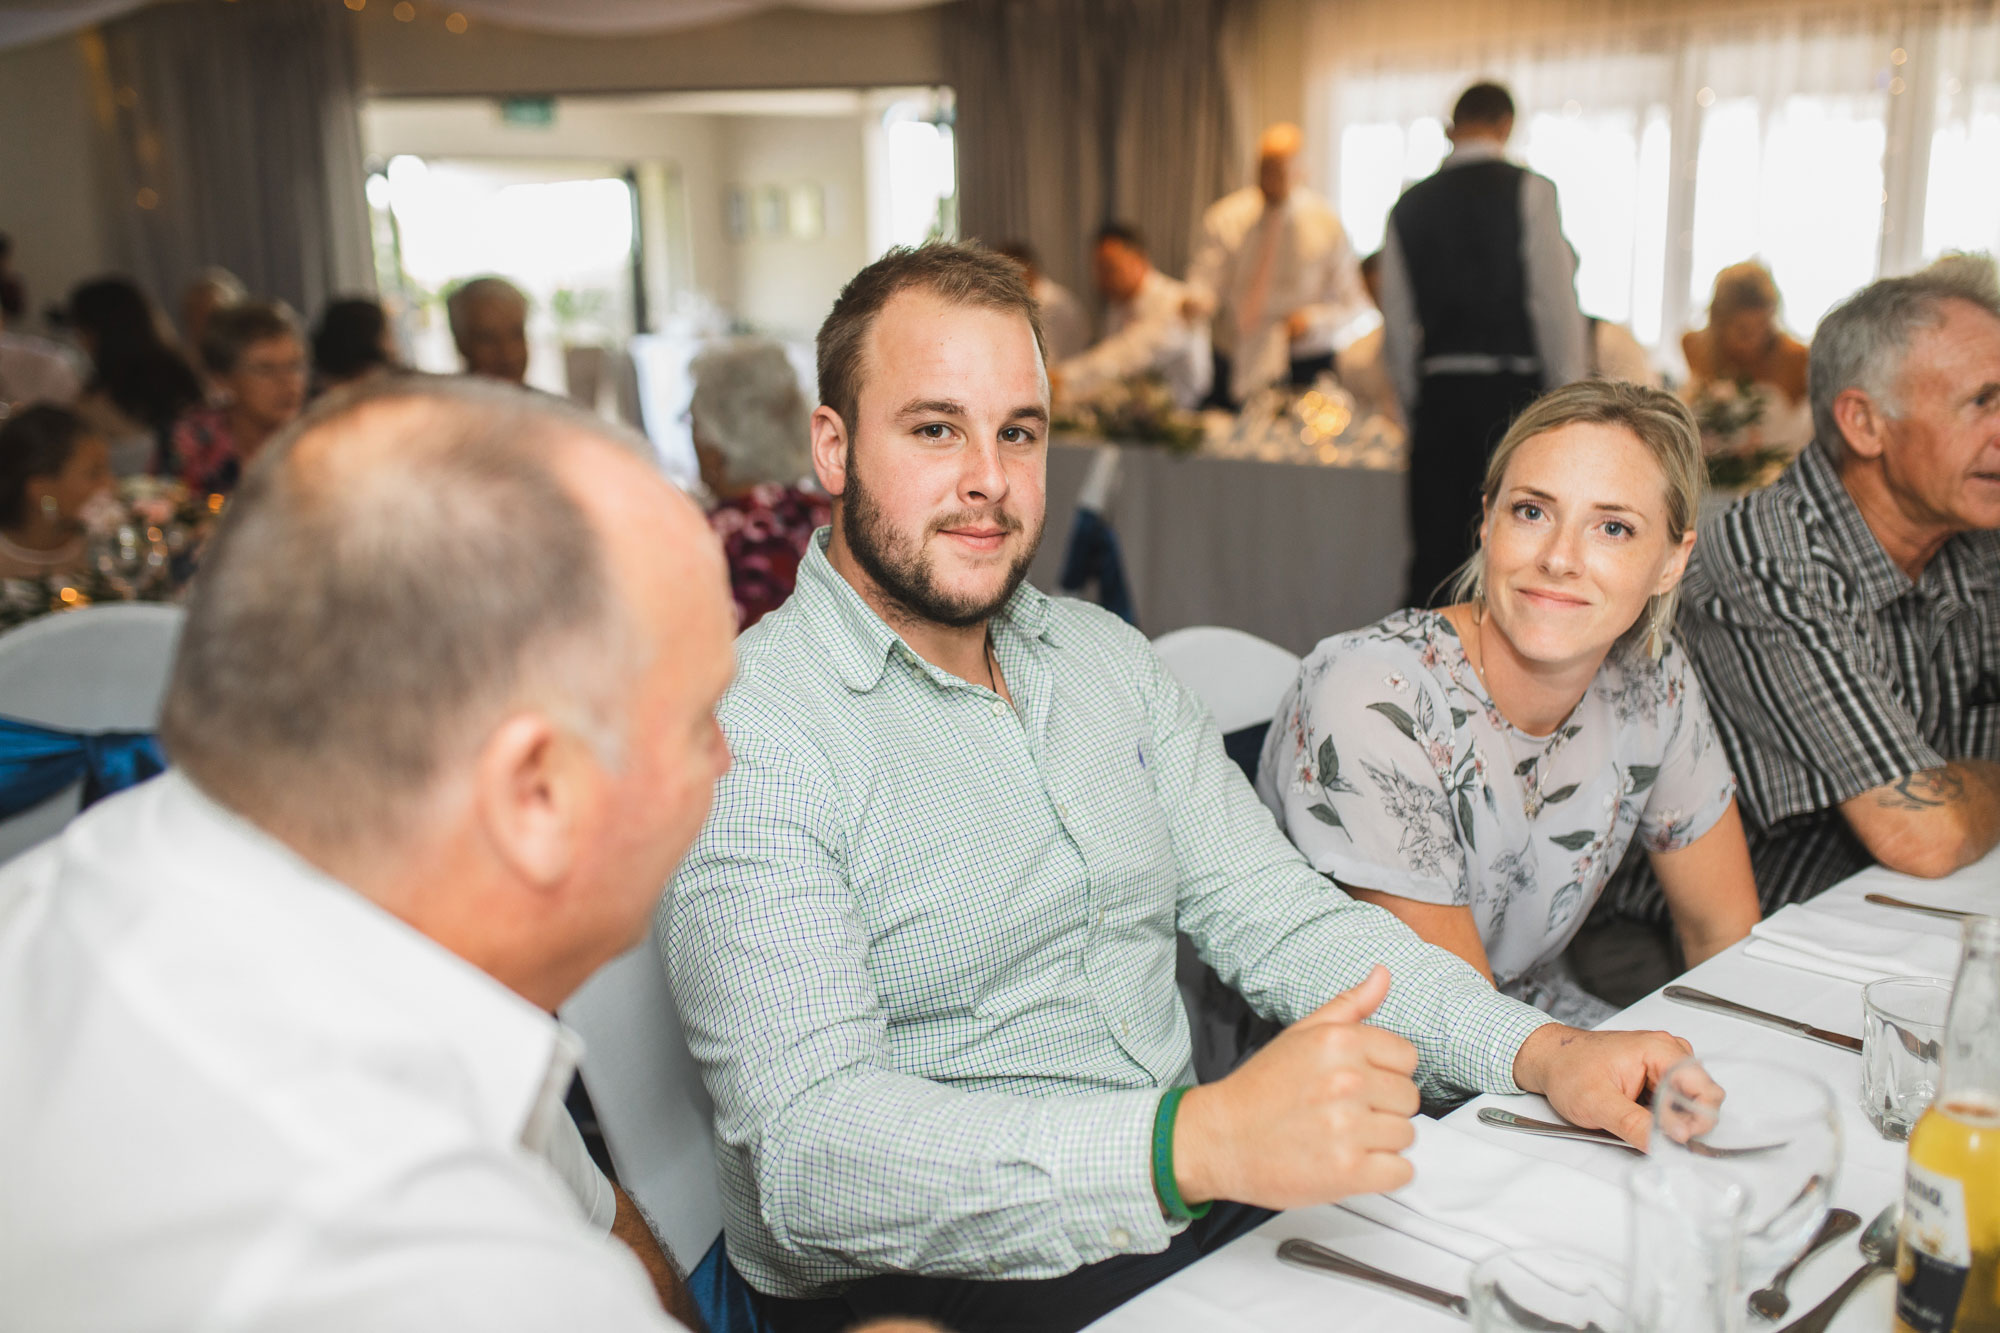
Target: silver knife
{"points": [[1493, 1115], [1310, 1254], [1703, 1000], [1884, 900]]}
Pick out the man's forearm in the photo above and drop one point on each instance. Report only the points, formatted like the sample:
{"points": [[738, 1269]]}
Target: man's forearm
{"points": [[1932, 822], [630, 1228]]}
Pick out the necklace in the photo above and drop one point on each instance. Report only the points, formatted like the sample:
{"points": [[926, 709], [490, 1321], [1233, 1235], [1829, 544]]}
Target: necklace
{"points": [[1533, 754], [992, 658]]}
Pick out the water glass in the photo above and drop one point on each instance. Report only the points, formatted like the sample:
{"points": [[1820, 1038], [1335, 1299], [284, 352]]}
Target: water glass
{"points": [[1531, 1290], [1687, 1251], [1768, 1129], [1902, 1024]]}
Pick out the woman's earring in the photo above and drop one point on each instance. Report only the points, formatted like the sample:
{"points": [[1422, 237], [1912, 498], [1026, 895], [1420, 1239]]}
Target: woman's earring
{"points": [[49, 506], [1656, 631]]}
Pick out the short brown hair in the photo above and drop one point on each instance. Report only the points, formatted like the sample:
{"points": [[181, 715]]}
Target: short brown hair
{"points": [[234, 329], [958, 274], [396, 569]]}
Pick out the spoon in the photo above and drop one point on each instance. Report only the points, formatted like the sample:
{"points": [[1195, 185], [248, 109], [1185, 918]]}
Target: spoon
{"points": [[1771, 1302], [1878, 1249]]}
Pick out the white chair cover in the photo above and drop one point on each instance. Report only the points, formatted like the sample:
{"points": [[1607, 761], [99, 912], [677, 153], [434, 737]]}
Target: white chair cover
{"points": [[103, 668], [1239, 676], [655, 1114]]}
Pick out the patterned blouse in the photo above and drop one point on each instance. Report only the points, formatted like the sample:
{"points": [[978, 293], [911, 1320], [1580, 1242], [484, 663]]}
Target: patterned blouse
{"points": [[764, 533], [1390, 768], [202, 452]]}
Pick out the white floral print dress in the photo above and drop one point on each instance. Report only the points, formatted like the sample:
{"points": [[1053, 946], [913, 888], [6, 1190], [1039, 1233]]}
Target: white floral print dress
{"points": [[1390, 768]]}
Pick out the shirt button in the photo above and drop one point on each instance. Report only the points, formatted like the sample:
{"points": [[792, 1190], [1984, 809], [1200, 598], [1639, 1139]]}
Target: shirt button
{"points": [[1120, 1238], [999, 707], [1125, 1029], [1100, 916]]}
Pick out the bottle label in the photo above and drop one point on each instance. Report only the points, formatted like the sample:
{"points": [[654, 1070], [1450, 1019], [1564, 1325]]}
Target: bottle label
{"points": [[1936, 1251]]}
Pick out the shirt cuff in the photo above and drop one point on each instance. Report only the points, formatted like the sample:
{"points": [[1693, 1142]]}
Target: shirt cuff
{"points": [[1109, 1206], [1487, 1037]]}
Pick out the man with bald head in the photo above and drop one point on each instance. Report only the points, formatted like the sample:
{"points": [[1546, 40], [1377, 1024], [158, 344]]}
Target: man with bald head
{"points": [[278, 1033], [489, 326], [1274, 269]]}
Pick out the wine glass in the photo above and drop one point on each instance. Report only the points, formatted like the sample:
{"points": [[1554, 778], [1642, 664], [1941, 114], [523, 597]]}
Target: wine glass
{"points": [[1766, 1129]]}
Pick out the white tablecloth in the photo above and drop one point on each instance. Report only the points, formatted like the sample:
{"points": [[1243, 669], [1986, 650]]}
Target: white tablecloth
{"points": [[1286, 551], [1243, 1287]]}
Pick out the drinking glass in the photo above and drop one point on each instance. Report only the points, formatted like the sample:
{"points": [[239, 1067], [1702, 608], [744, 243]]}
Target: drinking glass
{"points": [[1902, 1024], [1687, 1250], [1767, 1128], [1531, 1290]]}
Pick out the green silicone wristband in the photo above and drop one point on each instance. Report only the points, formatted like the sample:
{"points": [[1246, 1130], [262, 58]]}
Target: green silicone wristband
{"points": [[1164, 1182]]}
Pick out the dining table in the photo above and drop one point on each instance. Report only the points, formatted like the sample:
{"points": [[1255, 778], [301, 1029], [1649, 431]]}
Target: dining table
{"points": [[1244, 1286]]}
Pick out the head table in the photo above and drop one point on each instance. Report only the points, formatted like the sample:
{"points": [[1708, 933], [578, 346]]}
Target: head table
{"points": [[1245, 1287]]}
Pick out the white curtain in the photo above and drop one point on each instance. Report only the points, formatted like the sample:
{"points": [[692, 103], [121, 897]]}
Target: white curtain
{"points": [[1834, 144]]}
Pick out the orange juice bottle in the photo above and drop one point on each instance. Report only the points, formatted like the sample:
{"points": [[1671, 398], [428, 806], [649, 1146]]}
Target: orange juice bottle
{"points": [[1948, 1249]]}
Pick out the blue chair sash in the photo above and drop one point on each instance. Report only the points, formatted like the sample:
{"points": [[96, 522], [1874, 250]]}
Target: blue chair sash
{"points": [[1093, 556], [36, 762], [721, 1294]]}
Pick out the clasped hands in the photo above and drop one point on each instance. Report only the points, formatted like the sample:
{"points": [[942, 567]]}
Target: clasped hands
{"points": [[1323, 1112]]}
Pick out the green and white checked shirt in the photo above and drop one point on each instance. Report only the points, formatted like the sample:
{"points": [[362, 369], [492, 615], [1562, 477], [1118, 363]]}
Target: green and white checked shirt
{"points": [[924, 948]]}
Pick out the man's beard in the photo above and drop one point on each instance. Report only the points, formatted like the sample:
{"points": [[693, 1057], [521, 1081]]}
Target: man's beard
{"points": [[905, 574]]}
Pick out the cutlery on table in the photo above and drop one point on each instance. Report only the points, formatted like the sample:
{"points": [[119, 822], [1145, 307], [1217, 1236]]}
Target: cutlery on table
{"points": [[1499, 1119], [1311, 1254], [1770, 1302], [1884, 900], [1703, 1000], [1878, 1250]]}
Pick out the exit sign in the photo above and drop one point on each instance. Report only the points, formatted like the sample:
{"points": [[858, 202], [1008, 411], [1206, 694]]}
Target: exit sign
{"points": [[529, 112]]}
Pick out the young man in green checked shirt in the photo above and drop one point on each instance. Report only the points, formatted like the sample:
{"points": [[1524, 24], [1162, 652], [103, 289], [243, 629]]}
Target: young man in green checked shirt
{"points": [[924, 948]]}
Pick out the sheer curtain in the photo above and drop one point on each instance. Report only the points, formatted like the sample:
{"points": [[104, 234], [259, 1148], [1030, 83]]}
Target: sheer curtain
{"points": [[1834, 144]]}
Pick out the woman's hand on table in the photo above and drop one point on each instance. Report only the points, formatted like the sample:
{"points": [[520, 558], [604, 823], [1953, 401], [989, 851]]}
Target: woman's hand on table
{"points": [[1320, 1114], [1595, 1079]]}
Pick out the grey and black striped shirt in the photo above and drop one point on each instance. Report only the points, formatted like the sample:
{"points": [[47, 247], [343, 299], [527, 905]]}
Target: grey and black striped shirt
{"points": [[1829, 672]]}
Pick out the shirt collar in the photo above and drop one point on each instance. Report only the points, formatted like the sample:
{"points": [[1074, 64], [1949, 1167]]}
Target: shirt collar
{"points": [[1877, 579], [1474, 150], [860, 643], [357, 978]]}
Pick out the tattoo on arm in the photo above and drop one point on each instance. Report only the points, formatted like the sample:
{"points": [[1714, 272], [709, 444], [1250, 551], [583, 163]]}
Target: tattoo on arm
{"points": [[1927, 790]]}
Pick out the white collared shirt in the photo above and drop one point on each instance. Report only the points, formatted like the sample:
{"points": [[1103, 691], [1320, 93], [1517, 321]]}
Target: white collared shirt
{"points": [[1313, 271], [1065, 328], [1148, 334], [237, 1095]]}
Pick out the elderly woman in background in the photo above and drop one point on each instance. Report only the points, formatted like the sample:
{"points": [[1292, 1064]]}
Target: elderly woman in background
{"points": [[351, 342], [258, 362], [1479, 771], [140, 385], [53, 467], [1747, 381], [752, 434]]}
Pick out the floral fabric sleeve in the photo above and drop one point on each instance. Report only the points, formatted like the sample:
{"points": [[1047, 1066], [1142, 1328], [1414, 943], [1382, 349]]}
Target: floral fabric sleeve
{"points": [[1693, 785], [1378, 774]]}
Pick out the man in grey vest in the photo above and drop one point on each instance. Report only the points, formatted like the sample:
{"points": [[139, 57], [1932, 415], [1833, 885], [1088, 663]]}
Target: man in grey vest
{"points": [[1479, 318]]}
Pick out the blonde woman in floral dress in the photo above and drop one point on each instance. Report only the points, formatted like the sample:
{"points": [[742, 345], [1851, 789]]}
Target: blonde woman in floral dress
{"points": [[1480, 771]]}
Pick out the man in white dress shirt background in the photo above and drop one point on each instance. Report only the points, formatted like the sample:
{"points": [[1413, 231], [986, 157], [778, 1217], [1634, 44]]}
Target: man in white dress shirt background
{"points": [[1065, 324], [1146, 328], [1274, 270], [278, 1033], [1479, 318]]}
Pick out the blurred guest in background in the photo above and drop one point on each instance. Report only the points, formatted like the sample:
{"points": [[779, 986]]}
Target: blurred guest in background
{"points": [[140, 385], [753, 435], [35, 370], [258, 363], [1274, 270], [52, 468], [489, 325], [1479, 771], [1479, 317], [13, 292], [1747, 376], [1146, 327], [1615, 354], [1065, 326], [1359, 364], [213, 289], [352, 341]]}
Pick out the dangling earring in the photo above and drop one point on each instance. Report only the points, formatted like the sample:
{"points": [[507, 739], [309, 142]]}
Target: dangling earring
{"points": [[49, 506], [1656, 630]]}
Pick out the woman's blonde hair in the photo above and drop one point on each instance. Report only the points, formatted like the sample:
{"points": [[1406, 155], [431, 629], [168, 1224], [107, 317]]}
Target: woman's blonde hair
{"points": [[1740, 287], [1660, 422]]}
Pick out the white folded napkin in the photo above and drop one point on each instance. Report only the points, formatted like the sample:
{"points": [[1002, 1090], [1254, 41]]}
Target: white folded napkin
{"points": [[1475, 1197], [1851, 941]]}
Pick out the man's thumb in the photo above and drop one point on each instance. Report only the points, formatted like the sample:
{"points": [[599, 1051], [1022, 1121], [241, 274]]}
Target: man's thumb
{"points": [[1354, 1006]]}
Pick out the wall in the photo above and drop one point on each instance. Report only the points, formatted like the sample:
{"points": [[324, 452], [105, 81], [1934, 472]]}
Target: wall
{"points": [[785, 285], [774, 49], [49, 187]]}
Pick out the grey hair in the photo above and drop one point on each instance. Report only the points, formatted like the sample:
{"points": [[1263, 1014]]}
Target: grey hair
{"points": [[748, 403], [470, 293], [1660, 422], [1863, 342], [396, 572]]}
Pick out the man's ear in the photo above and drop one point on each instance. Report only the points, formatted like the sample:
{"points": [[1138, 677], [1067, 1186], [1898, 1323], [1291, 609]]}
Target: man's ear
{"points": [[1863, 424], [829, 449], [531, 785]]}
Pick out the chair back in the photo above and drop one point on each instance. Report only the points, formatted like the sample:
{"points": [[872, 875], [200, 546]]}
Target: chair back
{"points": [[103, 668], [1239, 676], [655, 1114]]}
